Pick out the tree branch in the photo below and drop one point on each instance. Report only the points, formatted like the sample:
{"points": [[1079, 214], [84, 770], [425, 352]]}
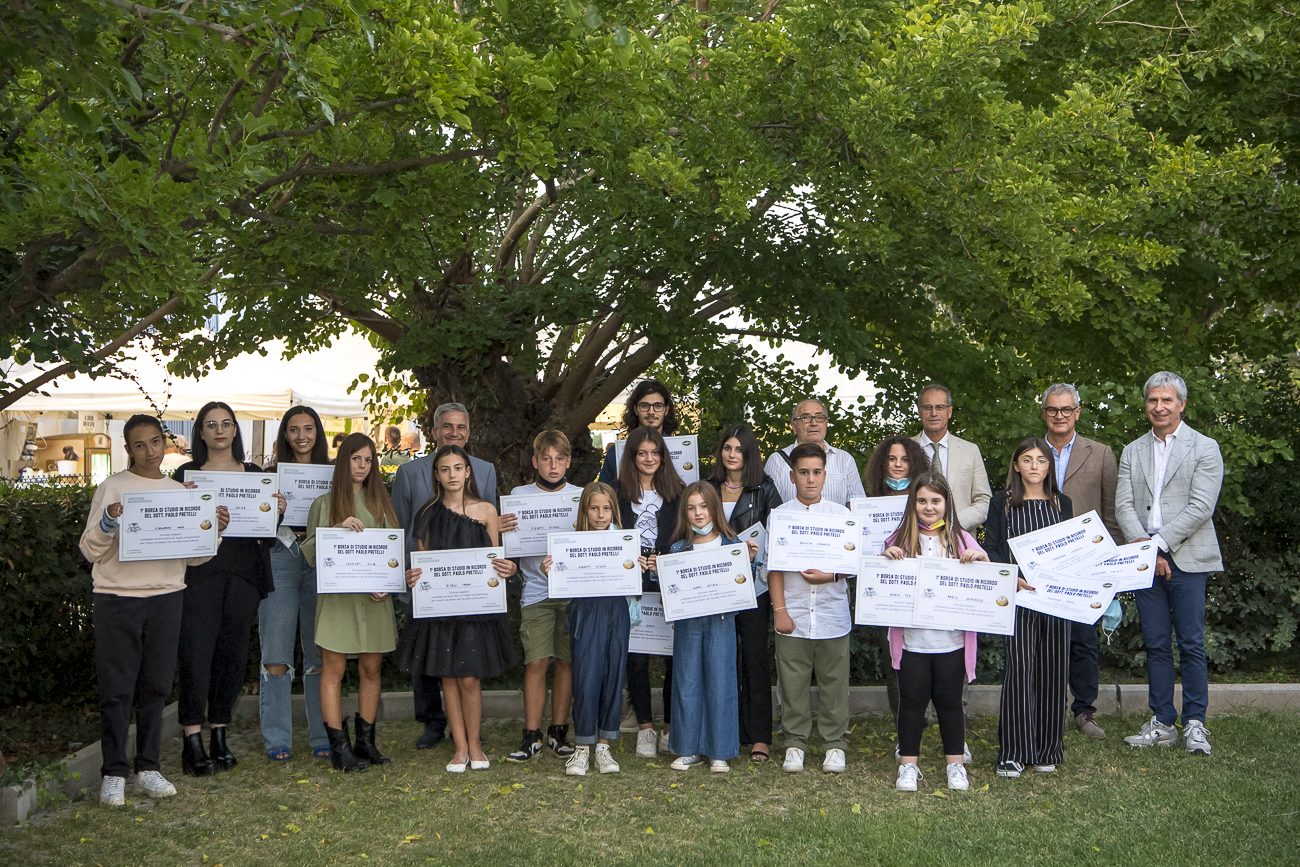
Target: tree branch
{"points": [[529, 215], [226, 33], [387, 328], [21, 127], [215, 129], [246, 210], [382, 168], [589, 352], [312, 130]]}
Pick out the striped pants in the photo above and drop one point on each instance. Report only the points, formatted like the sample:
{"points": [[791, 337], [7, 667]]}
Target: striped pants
{"points": [[1031, 713]]}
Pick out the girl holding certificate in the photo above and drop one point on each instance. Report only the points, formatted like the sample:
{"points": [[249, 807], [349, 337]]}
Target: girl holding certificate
{"points": [[648, 491], [137, 618], [931, 663], [289, 611], [352, 624], [748, 496], [598, 634], [221, 599], [705, 702], [1031, 718], [460, 650]]}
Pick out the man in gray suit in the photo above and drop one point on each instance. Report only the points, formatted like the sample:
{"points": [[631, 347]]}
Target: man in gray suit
{"points": [[958, 460], [412, 488], [1168, 486], [1086, 472]]}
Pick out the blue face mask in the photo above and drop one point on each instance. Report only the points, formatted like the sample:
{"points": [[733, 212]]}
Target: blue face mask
{"points": [[899, 484], [703, 531]]}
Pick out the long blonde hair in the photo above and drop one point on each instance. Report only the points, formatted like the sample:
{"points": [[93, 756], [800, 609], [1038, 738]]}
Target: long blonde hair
{"points": [[596, 489], [908, 534]]}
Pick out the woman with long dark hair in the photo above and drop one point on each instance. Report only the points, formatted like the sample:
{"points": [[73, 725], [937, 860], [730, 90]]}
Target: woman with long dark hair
{"points": [[221, 599]]}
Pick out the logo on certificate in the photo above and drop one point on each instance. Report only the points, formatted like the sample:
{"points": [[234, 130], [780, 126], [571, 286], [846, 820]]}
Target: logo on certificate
{"points": [[205, 496], [392, 537]]}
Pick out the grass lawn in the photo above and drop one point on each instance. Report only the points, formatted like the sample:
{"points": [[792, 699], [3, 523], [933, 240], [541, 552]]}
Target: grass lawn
{"points": [[1107, 805]]}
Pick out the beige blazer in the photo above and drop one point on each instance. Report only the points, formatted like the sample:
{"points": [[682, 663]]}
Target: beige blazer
{"points": [[1090, 480], [967, 478]]}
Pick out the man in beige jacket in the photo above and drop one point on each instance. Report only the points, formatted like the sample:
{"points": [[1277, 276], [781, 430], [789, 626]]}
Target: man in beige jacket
{"points": [[957, 459]]}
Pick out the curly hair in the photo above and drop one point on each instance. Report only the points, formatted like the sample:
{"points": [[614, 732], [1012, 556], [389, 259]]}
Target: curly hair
{"points": [[873, 477], [647, 387]]}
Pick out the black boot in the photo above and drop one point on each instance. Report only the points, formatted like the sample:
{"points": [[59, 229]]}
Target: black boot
{"points": [[557, 738], [222, 757], [434, 733], [194, 760], [341, 754], [366, 748]]}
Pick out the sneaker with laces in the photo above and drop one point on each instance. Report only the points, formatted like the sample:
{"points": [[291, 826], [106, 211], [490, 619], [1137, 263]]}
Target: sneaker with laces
{"points": [[112, 791], [1010, 769], [908, 775], [957, 779], [578, 763], [664, 749], [646, 741], [1088, 726], [557, 738], [1045, 769], [834, 761], [530, 746], [155, 784], [683, 763], [793, 761], [1195, 738], [605, 760], [719, 766], [1153, 733]]}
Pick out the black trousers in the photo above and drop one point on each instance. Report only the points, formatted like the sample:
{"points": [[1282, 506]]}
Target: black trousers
{"points": [[638, 687], [891, 674], [1084, 664], [427, 699], [925, 678], [217, 618], [755, 672], [135, 662]]}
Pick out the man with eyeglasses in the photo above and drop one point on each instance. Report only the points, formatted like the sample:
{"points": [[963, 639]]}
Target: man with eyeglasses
{"points": [[957, 460], [649, 405], [809, 422], [1086, 472]]}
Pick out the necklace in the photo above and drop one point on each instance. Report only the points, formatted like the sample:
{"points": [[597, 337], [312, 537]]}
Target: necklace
{"points": [[733, 487]]}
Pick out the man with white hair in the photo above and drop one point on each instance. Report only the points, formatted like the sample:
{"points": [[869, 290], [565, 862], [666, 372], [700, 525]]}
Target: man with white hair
{"points": [[809, 422], [1168, 486], [957, 460]]}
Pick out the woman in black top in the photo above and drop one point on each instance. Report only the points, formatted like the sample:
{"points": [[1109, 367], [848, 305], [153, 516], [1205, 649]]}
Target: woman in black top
{"points": [[220, 602], [1031, 721], [748, 497]]}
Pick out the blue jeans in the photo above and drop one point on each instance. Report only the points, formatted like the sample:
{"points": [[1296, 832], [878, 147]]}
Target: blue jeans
{"points": [[706, 715], [1176, 605], [289, 612], [598, 631]]}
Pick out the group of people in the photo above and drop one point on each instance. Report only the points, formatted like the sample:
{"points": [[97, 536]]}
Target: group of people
{"points": [[717, 692]]}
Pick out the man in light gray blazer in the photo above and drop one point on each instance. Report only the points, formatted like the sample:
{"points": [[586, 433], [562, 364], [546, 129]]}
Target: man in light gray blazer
{"points": [[958, 460], [1169, 481], [412, 488]]}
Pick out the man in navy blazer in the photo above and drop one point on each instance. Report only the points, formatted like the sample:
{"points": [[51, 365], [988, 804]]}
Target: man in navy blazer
{"points": [[1169, 481], [412, 488]]}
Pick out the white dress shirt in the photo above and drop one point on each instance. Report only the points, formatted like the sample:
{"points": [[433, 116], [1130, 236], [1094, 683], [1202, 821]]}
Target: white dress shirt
{"points": [[1160, 451], [818, 610], [843, 481]]}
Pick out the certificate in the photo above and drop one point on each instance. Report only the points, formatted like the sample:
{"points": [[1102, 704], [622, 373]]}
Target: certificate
{"points": [[169, 524], [539, 515], [1132, 568], [976, 597], [712, 581], [1082, 600], [654, 636], [599, 563], [301, 484], [360, 561], [250, 498], [684, 452], [813, 540], [886, 592], [758, 535], [880, 517], [1067, 547], [457, 582]]}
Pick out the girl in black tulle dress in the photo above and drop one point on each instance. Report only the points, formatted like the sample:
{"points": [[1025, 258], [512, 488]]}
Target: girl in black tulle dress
{"points": [[460, 650]]}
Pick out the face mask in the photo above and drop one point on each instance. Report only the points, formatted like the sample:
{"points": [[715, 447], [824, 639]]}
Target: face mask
{"points": [[703, 531], [937, 525], [547, 486], [898, 484]]}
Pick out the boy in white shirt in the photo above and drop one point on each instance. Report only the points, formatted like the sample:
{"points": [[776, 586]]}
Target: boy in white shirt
{"points": [[812, 631]]}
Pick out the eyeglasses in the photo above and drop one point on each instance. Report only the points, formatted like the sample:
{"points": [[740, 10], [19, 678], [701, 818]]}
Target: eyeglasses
{"points": [[933, 407], [1029, 462], [651, 407], [808, 418], [1058, 411], [215, 426]]}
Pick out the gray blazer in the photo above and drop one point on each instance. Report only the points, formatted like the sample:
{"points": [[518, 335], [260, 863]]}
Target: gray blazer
{"points": [[968, 479], [1193, 478], [413, 486]]}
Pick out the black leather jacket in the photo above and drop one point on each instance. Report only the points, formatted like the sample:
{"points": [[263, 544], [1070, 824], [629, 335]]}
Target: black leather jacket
{"points": [[754, 505]]}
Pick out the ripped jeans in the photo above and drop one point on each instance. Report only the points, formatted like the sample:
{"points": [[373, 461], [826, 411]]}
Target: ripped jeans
{"points": [[289, 612]]}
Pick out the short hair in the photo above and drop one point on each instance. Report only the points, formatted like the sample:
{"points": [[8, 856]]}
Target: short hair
{"points": [[552, 439], [643, 388], [934, 386], [794, 410], [1061, 388], [873, 478], [807, 450], [393, 434], [1166, 379], [445, 408], [751, 472]]}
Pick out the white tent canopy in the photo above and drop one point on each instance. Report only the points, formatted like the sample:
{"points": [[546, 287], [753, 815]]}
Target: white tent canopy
{"points": [[254, 386]]}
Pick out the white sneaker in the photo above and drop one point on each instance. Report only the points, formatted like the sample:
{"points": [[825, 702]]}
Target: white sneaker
{"points": [[646, 739], [578, 763], [664, 749], [1194, 738], [908, 775], [793, 760], [155, 784], [1153, 733], [957, 779], [112, 792], [965, 753], [1045, 769], [605, 760], [834, 761], [718, 766], [684, 763]]}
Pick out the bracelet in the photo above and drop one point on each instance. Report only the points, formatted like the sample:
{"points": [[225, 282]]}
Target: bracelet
{"points": [[782, 608]]}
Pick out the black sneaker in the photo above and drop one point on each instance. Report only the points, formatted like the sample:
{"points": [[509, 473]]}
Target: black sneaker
{"points": [[557, 738], [530, 746], [1010, 769]]}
